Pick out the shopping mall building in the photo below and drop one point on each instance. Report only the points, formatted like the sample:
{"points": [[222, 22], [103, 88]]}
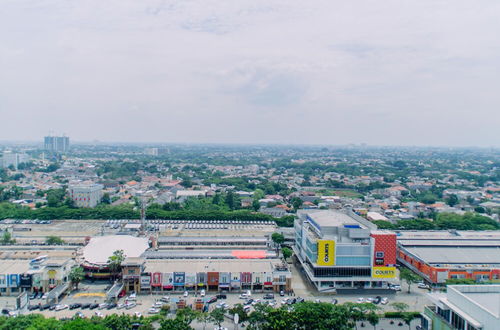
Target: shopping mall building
{"points": [[341, 250]]}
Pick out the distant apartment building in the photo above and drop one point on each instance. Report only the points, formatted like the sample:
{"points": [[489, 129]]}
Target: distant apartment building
{"points": [[340, 250], [157, 151], [86, 195], [13, 159], [56, 143]]}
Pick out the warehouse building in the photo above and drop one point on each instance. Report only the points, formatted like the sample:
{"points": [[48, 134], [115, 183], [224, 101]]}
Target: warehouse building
{"points": [[441, 255], [340, 250]]}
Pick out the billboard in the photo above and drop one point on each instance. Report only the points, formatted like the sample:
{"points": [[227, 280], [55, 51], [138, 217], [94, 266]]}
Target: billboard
{"points": [[384, 272], [145, 281], [326, 253], [179, 278]]}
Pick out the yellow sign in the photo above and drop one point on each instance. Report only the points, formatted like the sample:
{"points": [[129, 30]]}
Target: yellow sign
{"points": [[326, 253], [384, 272]]}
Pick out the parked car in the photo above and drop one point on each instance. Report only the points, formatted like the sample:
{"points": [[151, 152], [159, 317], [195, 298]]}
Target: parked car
{"points": [[33, 295], [153, 310], [212, 300], [137, 314], [121, 306], [98, 314], [93, 306], [248, 302], [75, 306], [40, 295], [299, 299], [86, 305], [33, 307], [360, 300], [377, 300], [369, 300], [243, 296], [165, 299], [269, 296], [282, 293], [61, 307], [247, 308], [335, 301], [130, 305], [221, 296], [52, 307], [103, 305], [384, 301], [111, 306], [202, 293], [422, 285], [45, 307], [395, 287], [132, 296]]}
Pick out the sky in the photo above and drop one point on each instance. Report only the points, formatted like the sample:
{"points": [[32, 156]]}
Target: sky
{"points": [[390, 72]]}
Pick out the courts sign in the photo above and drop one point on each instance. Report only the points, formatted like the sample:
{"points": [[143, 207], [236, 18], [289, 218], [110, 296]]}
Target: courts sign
{"points": [[384, 272], [326, 253]]}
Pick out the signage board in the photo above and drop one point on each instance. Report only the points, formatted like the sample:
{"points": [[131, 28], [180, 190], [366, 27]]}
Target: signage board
{"points": [[326, 253], [384, 272]]}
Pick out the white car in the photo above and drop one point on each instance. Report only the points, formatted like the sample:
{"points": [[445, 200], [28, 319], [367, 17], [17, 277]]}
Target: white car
{"points": [[132, 296], [243, 296], [246, 308], [103, 305], [202, 293], [186, 293], [130, 305], [99, 314], [395, 287], [360, 300], [158, 304], [61, 307], [422, 285], [255, 302], [137, 314], [153, 310], [369, 300], [121, 306], [384, 301]]}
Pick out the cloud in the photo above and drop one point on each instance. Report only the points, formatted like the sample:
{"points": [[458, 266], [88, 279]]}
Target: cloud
{"points": [[423, 72]]}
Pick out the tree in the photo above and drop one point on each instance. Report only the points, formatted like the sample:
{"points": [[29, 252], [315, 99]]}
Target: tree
{"points": [[76, 275], [186, 315], [287, 252], [400, 307], [105, 198], [452, 200], [217, 316], [54, 240], [238, 309], [407, 318], [373, 318], [203, 317], [296, 202], [7, 238], [278, 238], [115, 262], [409, 277]]}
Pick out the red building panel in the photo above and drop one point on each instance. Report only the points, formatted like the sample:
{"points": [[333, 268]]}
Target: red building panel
{"points": [[384, 249]]}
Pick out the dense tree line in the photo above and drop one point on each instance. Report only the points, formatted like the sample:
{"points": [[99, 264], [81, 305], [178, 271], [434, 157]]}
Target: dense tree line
{"points": [[468, 221], [306, 316], [10, 211]]}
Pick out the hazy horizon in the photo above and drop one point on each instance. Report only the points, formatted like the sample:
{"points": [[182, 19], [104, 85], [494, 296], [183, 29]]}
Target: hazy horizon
{"points": [[255, 72]]}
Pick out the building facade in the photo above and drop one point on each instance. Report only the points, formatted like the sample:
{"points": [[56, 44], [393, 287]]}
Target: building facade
{"points": [[13, 159], [86, 195], [340, 250], [464, 307], [441, 255]]}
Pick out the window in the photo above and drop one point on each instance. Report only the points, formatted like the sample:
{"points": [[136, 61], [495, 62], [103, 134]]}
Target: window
{"points": [[379, 254], [342, 272], [131, 271], [282, 278], [257, 279], [457, 322]]}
